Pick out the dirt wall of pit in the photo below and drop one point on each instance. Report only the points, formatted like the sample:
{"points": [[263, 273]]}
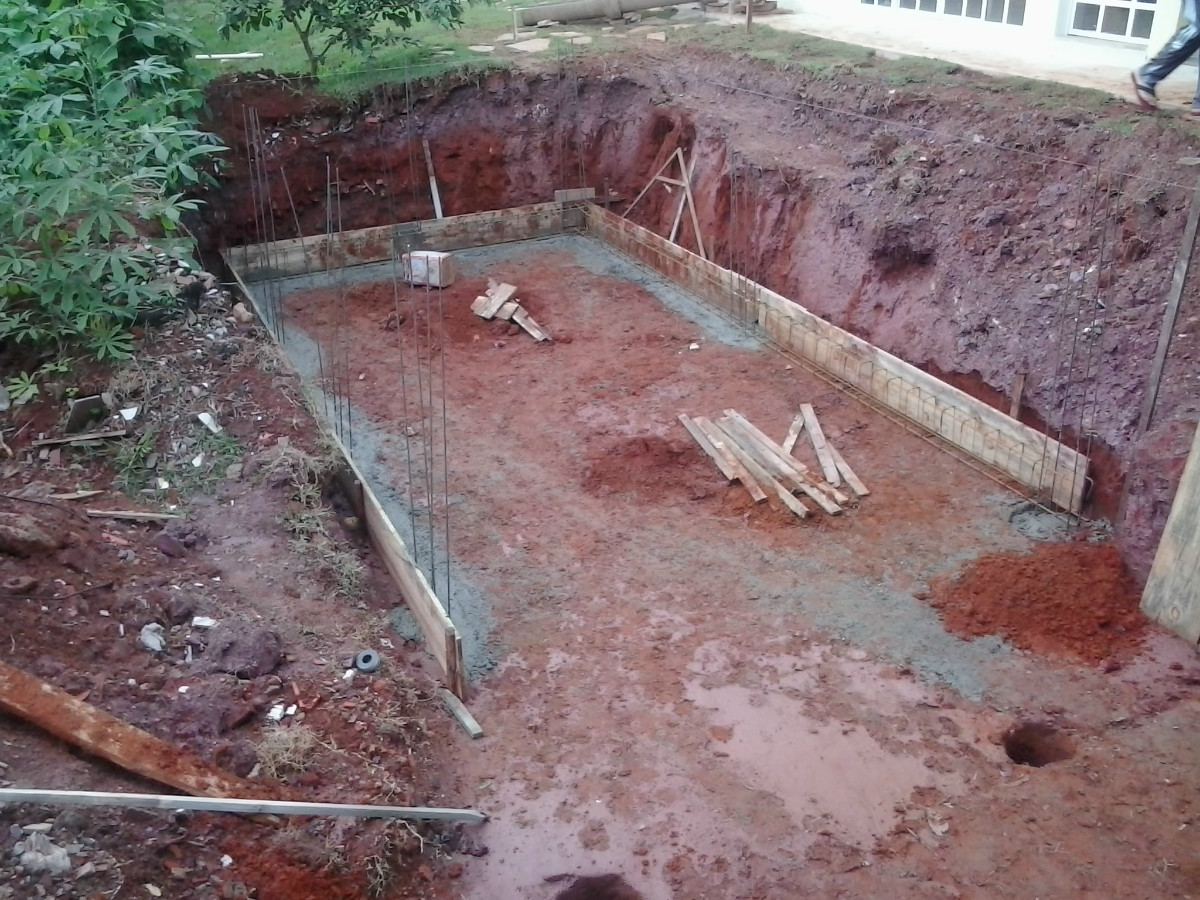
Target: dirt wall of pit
{"points": [[954, 225]]}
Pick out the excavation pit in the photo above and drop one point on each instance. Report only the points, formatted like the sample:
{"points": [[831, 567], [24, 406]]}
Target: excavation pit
{"points": [[551, 455], [1037, 744]]}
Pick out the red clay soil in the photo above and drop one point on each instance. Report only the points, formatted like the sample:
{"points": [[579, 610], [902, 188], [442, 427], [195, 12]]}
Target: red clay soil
{"points": [[1073, 599], [923, 219]]}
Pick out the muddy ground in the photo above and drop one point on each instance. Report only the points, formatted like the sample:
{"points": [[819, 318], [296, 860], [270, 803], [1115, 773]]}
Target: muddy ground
{"points": [[701, 696], [267, 561], [714, 699], [974, 226]]}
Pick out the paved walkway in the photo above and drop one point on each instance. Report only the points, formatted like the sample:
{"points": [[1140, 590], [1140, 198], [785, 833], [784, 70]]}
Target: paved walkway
{"points": [[1082, 62]]}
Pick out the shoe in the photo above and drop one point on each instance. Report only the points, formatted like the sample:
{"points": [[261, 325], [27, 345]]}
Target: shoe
{"points": [[1145, 95]]}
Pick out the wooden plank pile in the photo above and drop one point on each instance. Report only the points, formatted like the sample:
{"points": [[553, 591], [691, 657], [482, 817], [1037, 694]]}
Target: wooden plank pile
{"points": [[766, 469], [500, 303]]}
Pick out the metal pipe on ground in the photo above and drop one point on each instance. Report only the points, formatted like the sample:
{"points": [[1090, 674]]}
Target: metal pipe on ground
{"points": [[577, 10]]}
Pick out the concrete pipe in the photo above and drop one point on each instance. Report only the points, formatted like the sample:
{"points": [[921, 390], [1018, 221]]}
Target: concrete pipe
{"points": [[576, 10]]}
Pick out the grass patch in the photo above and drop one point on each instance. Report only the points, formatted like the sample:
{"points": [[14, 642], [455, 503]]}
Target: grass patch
{"points": [[1050, 94], [788, 50], [425, 51]]}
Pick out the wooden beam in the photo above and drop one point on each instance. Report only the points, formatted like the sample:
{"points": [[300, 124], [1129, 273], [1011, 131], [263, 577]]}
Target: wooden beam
{"points": [[80, 438], [97, 733], [687, 176], [853, 480], [716, 438], [1018, 391], [1170, 313], [433, 185], [460, 712], [761, 474], [707, 446], [521, 317], [1172, 595], [130, 515], [506, 311], [653, 180], [817, 436], [244, 807], [793, 434], [691, 203], [788, 468], [497, 297]]}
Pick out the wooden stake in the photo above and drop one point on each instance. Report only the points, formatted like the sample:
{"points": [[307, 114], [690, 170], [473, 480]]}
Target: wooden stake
{"points": [[460, 712], [1018, 390], [1178, 281], [433, 187], [245, 807]]}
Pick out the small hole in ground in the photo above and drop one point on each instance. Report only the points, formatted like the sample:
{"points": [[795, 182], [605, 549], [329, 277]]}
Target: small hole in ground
{"points": [[1037, 744]]}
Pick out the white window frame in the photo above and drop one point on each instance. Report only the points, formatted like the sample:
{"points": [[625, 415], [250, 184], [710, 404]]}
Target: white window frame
{"points": [[940, 7], [1132, 5]]}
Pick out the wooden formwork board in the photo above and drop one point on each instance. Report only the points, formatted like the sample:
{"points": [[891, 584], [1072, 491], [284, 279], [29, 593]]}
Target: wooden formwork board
{"points": [[722, 288], [1172, 595], [442, 639], [1042, 464], [300, 256]]}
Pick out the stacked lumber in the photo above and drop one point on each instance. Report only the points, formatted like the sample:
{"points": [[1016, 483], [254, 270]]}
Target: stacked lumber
{"points": [[768, 470], [500, 303]]}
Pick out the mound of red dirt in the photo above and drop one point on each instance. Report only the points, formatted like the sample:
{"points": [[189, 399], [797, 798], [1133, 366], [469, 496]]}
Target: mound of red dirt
{"points": [[1074, 599]]}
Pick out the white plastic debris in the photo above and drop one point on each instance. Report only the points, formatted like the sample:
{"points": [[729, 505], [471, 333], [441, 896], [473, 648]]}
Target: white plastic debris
{"points": [[130, 413], [203, 622], [152, 639], [291, 710], [693, 346], [226, 861], [198, 461], [275, 713], [183, 688], [209, 422]]}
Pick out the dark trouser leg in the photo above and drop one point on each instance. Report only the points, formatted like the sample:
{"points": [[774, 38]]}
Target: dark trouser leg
{"points": [[1177, 51]]}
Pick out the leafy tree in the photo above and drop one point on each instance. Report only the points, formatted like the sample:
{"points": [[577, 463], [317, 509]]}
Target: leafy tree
{"points": [[97, 146], [321, 25]]}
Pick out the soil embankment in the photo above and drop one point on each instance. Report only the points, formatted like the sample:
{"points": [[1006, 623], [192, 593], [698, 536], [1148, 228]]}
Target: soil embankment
{"points": [[953, 224]]}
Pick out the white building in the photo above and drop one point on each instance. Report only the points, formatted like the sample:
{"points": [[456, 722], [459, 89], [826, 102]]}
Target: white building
{"points": [[1092, 43]]}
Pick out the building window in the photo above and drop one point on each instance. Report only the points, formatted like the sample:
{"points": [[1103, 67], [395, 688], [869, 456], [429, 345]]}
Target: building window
{"points": [[1007, 12], [1118, 20]]}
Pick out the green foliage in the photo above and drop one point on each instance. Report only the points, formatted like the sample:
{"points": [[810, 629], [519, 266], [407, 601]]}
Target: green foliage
{"points": [[322, 25], [97, 146]]}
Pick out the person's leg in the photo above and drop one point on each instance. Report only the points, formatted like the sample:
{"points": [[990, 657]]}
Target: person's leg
{"points": [[1176, 52]]}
